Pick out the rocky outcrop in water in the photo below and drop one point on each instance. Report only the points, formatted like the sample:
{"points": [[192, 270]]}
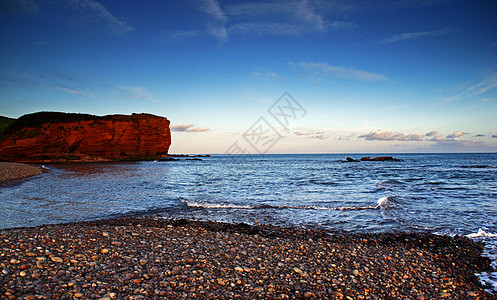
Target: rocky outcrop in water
{"points": [[381, 158], [64, 137]]}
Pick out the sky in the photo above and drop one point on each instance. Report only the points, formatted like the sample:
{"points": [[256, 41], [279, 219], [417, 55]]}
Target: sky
{"points": [[340, 76]]}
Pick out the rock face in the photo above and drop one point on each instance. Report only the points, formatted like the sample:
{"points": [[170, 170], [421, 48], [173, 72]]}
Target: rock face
{"points": [[63, 137]]}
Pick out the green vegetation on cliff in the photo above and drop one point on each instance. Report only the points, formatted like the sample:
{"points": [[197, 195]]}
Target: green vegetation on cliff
{"points": [[5, 122], [44, 117]]}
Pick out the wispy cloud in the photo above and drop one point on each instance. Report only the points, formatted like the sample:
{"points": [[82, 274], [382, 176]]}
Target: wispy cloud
{"points": [[215, 19], [322, 70], [476, 89], [270, 18], [133, 92], [414, 36], [267, 75], [319, 135], [92, 14], [77, 86], [386, 135], [71, 90], [187, 128]]}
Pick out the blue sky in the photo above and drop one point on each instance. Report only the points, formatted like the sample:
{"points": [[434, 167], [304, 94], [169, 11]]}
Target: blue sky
{"points": [[360, 76]]}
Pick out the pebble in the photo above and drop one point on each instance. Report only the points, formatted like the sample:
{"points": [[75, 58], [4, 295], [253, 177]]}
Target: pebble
{"points": [[178, 259], [57, 259]]}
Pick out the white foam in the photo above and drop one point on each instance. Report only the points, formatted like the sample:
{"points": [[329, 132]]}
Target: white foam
{"points": [[386, 202], [481, 233], [488, 279], [215, 205]]}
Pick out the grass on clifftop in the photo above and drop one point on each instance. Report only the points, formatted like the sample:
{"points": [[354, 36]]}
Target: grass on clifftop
{"points": [[5, 122]]}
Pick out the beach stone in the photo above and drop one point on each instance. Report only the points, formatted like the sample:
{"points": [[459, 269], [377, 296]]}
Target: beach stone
{"points": [[57, 259], [471, 294], [104, 251], [239, 269], [297, 270]]}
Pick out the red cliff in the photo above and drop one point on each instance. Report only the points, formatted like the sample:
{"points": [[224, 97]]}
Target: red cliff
{"points": [[62, 137]]}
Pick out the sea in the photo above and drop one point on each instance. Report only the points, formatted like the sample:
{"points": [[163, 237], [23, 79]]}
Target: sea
{"points": [[449, 194]]}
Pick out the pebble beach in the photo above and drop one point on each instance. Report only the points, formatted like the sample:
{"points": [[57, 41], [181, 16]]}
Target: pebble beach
{"points": [[10, 171], [151, 258]]}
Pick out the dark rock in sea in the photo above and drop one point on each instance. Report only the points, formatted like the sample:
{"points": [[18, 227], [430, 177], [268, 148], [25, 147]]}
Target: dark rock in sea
{"points": [[168, 159], [194, 159], [65, 137], [349, 159], [380, 158]]}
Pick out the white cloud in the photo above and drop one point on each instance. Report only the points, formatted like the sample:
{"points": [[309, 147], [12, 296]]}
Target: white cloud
{"points": [[304, 133], [266, 28], [181, 128], [271, 18], [385, 135], [187, 128], [92, 12], [216, 19], [268, 75], [432, 133], [321, 136], [322, 70], [133, 92], [197, 129], [414, 36], [456, 134]]}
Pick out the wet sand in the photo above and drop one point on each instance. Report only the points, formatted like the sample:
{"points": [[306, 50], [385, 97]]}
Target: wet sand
{"points": [[15, 171], [147, 258]]}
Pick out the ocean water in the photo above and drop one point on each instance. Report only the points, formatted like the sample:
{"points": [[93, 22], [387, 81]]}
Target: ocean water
{"points": [[440, 193]]}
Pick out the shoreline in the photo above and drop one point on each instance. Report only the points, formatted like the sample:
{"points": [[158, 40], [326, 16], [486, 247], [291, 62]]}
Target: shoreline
{"points": [[13, 171], [147, 258]]}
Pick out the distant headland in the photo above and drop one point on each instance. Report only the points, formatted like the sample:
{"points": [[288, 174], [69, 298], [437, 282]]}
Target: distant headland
{"points": [[71, 137]]}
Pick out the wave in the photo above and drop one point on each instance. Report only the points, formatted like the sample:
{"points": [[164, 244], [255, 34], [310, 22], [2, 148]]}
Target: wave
{"points": [[215, 205], [384, 203], [481, 233], [477, 167]]}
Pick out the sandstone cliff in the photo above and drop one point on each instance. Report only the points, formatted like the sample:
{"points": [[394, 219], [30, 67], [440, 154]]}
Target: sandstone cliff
{"points": [[62, 137]]}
